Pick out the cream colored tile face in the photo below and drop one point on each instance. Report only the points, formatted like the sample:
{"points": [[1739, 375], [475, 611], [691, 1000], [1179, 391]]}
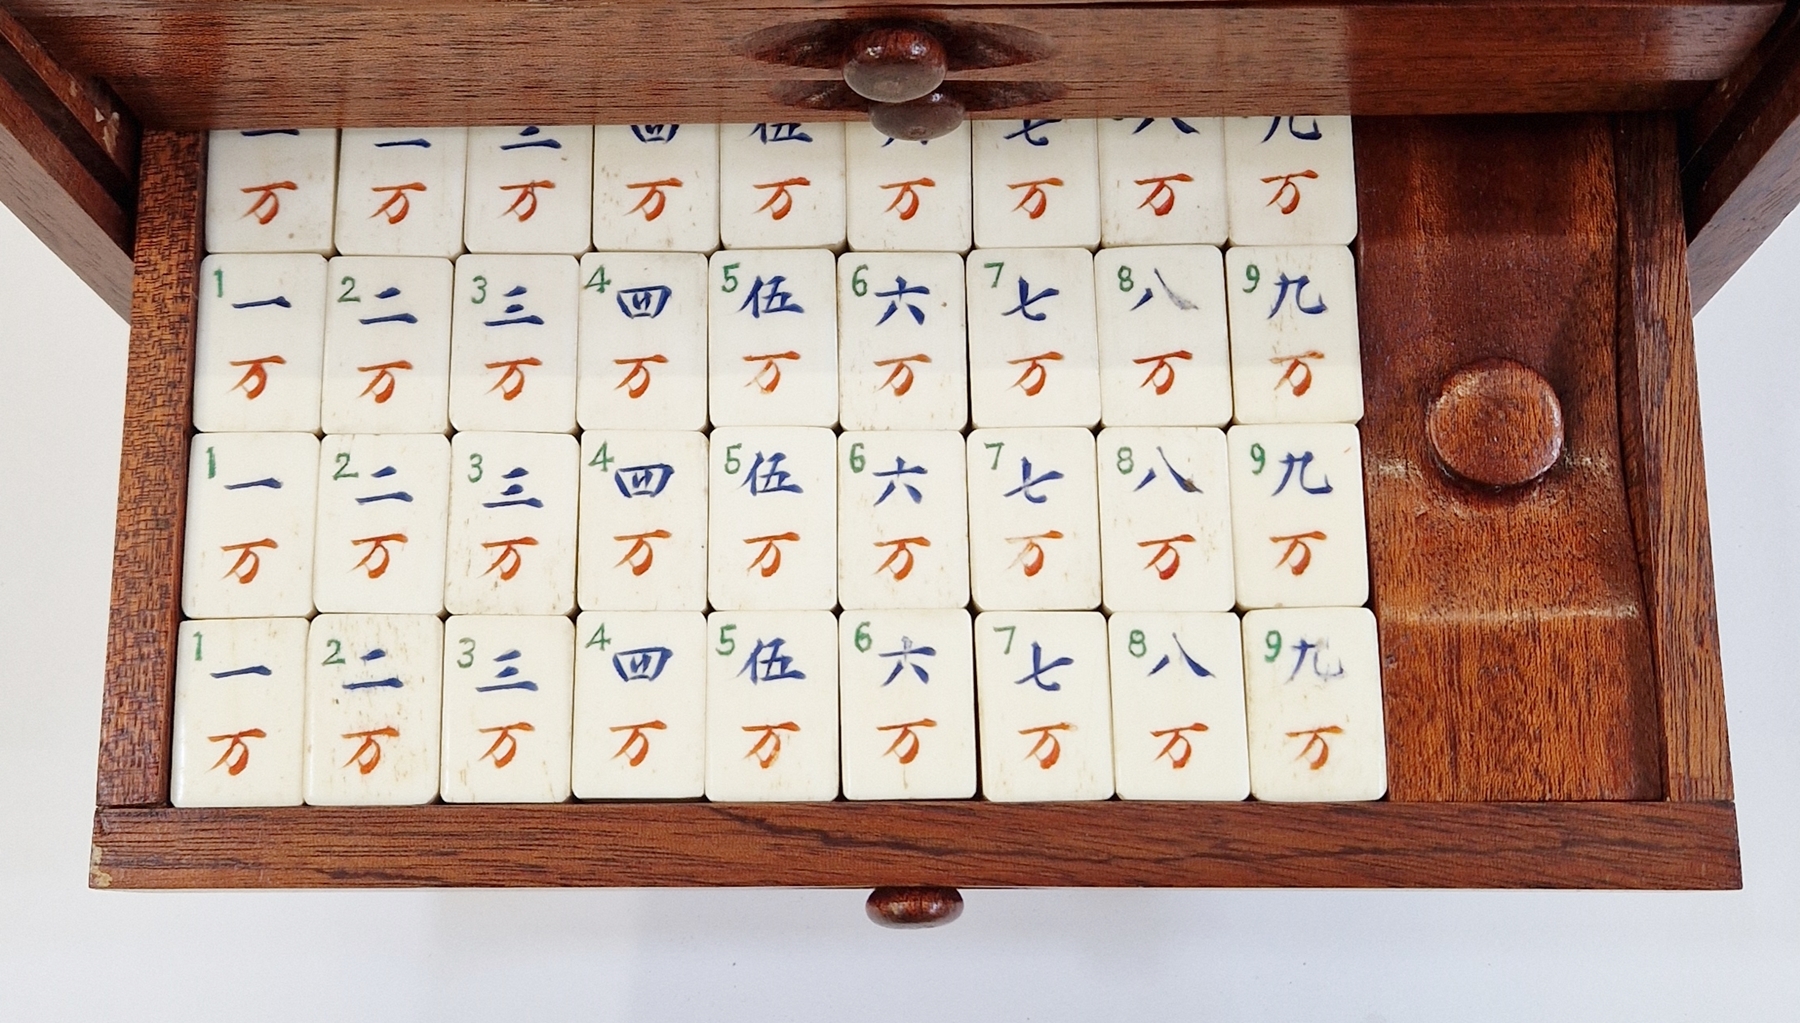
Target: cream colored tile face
{"points": [[1162, 180], [508, 692], [530, 189], [656, 187], [903, 532], [400, 191], [513, 343], [1295, 350], [642, 542], [771, 706], [1034, 530], [250, 508], [772, 337], [1297, 516], [1037, 183], [781, 185], [259, 343], [1178, 706], [773, 518], [512, 524], [1165, 519], [1034, 354], [384, 514], [907, 682], [907, 196], [1165, 354], [640, 705], [1045, 705], [1290, 180], [1313, 683], [270, 190], [387, 345], [902, 335], [642, 341], [374, 691], [240, 696]]}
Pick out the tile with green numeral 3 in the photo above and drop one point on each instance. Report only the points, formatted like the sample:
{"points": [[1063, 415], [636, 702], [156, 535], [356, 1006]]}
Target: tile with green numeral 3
{"points": [[508, 692]]}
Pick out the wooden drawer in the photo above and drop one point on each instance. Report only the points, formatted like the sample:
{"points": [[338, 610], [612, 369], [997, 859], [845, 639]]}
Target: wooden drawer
{"points": [[1529, 178]]}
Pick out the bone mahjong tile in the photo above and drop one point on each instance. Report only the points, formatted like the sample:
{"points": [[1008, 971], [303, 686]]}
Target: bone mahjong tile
{"points": [[383, 519], [772, 338], [249, 539], [1034, 530], [1178, 706], [512, 524], [1298, 531], [1313, 683], [781, 185], [509, 685], [530, 189], [271, 190], [772, 523], [1034, 353], [903, 536], [513, 344], [1044, 705], [656, 187], [1296, 353], [374, 690], [1165, 350], [1165, 519], [907, 695], [1162, 180], [259, 343], [1290, 180], [903, 361], [387, 346], [771, 706], [400, 191], [240, 694], [1036, 183], [642, 341], [643, 526], [640, 705], [907, 196]]}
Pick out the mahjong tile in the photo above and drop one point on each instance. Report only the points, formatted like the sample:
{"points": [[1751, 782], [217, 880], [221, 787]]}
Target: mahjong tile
{"points": [[530, 189], [512, 524], [387, 346], [259, 343], [509, 684], [240, 709], [374, 690], [1165, 519], [1290, 180], [1297, 515], [1178, 706], [903, 359], [907, 196], [640, 705], [656, 187], [903, 528], [400, 191], [249, 542], [907, 692], [384, 512], [1313, 687], [1034, 355], [512, 344], [1165, 352], [772, 337], [1036, 182], [772, 524], [1034, 529], [771, 706], [1044, 704], [643, 341], [781, 185], [1295, 351], [270, 190], [1162, 180], [643, 521]]}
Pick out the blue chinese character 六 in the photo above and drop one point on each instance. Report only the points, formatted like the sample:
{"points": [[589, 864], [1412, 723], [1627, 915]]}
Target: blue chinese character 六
{"points": [[1027, 300], [511, 494], [644, 303], [510, 674], [767, 663], [904, 657], [766, 476], [643, 480], [897, 300], [895, 477], [644, 664], [1038, 668], [1029, 125], [1299, 285], [513, 309], [1289, 462], [1027, 481]]}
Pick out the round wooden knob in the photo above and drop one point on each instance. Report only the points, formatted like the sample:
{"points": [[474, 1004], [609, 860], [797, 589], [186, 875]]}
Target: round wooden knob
{"points": [[924, 118], [914, 907], [893, 65], [1495, 423]]}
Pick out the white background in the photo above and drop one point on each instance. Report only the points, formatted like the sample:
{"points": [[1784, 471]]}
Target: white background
{"points": [[67, 953]]}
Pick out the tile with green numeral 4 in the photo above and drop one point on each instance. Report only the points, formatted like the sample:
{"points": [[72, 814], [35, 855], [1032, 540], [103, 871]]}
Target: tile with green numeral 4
{"points": [[374, 697], [1036, 182], [249, 534], [400, 191], [512, 524], [259, 343], [907, 196], [772, 337], [384, 513], [240, 694], [640, 705], [387, 345], [1298, 532], [1165, 353], [271, 190], [907, 691], [1034, 355], [1045, 706], [642, 341], [1290, 180], [513, 343], [530, 189], [1162, 180], [656, 187], [781, 185], [903, 534], [772, 521], [1313, 686], [1034, 527], [1165, 519], [509, 683], [1178, 706], [903, 360], [771, 706], [642, 535]]}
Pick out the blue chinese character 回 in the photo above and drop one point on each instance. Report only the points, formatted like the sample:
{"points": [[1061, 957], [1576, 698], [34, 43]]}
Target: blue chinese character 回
{"points": [[644, 664], [643, 480]]}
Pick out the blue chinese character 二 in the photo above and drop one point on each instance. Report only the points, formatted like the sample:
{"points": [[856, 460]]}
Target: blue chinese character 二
{"points": [[393, 495], [387, 294], [391, 682]]}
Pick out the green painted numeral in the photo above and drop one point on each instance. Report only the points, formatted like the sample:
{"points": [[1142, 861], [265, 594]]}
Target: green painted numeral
{"points": [[337, 652], [1009, 630]]}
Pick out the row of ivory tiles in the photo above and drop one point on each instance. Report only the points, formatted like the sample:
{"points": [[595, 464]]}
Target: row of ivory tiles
{"points": [[1157, 335], [556, 189], [795, 705], [776, 518]]}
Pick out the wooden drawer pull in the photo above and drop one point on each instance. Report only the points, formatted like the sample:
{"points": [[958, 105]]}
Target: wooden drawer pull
{"points": [[927, 906]]}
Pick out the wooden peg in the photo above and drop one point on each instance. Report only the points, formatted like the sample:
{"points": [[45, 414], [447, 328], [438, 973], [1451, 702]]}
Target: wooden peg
{"points": [[894, 65], [915, 907], [1495, 423], [924, 118]]}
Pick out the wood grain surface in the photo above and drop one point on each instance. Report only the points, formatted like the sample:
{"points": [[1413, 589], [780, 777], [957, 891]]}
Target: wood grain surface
{"points": [[970, 844], [159, 383], [1516, 659], [1659, 406], [193, 64], [68, 163]]}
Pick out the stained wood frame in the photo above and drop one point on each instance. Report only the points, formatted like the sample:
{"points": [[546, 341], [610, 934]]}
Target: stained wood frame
{"points": [[1683, 836]]}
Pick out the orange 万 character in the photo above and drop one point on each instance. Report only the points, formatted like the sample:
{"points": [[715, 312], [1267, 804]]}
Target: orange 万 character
{"points": [[1316, 737], [637, 745], [381, 386], [512, 377], [504, 738], [368, 755], [906, 737], [1162, 374], [1287, 188], [780, 201], [771, 739], [525, 204], [378, 546], [237, 755], [1046, 758], [768, 376], [267, 205], [1167, 560], [654, 200], [1177, 738], [398, 204], [509, 556], [1299, 374], [256, 377], [900, 550], [1161, 199], [770, 552], [1297, 542], [906, 200], [640, 549], [248, 562], [1035, 200], [1034, 371], [637, 378], [1031, 556], [900, 378]]}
